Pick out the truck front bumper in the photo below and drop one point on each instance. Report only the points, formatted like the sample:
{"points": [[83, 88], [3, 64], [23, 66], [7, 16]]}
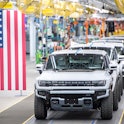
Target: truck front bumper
{"points": [[72, 99]]}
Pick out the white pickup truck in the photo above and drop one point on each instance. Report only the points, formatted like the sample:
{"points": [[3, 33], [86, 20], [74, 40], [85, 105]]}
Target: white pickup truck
{"points": [[73, 80]]}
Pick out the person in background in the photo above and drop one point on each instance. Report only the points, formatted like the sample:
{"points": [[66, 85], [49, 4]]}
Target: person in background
{"points": [[67, 41]]}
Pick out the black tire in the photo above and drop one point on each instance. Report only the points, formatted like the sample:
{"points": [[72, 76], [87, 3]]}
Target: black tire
{"points": [[115, 99], [40, 109], [121, 81], [119, 91], [107, 107]]}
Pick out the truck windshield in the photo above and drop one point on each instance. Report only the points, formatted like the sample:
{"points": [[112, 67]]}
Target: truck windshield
{"points": [[79, 61]]}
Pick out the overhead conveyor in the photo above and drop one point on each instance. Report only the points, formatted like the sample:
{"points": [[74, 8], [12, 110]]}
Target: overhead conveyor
{"points": [[120, 5], [49, 7], [5, 4]]}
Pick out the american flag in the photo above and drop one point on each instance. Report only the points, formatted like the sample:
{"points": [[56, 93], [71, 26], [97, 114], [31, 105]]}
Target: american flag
{"points": [[12, 50]]}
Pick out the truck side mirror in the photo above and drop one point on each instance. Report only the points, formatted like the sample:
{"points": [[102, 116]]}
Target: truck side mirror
{"points": [[120, 58], [40, 68], [112, 67]]}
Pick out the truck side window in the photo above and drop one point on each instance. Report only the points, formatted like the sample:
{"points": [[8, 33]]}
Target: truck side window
{"points": [[122, 51], [114, 55], [49, 64], [107, 61]]}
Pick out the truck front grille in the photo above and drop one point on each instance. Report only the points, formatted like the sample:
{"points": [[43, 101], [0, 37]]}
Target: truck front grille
{"points": [[72, 83]]}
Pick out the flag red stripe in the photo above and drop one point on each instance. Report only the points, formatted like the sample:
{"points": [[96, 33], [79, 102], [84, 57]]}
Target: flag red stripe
{"points": [[9, 50], [1, 70], [1, 59], [16, 51], [24, 52]]}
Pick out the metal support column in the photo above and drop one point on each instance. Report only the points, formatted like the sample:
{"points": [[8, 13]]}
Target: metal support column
{"points": [[32, 39]]}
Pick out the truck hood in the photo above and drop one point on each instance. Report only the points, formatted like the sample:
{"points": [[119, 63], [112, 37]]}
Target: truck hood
{"points": [[73, 76]]}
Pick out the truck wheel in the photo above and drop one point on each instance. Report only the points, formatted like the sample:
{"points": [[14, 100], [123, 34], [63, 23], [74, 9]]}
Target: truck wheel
{"points": [[121, 81], [119, 92], [107, 107], [40, 109], [115, 99]]}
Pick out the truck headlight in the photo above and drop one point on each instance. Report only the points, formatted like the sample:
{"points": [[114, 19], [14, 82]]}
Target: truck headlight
{"points": [[44, 83], [99, 83]]}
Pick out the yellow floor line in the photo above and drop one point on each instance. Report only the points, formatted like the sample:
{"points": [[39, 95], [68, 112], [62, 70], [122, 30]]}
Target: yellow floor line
{"points": [[16, 102], [28, 119], [120, 121]]}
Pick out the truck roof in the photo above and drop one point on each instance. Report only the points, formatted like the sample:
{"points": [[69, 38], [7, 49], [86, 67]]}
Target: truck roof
{"points": [[80, 51], [95, 44], [112, 42], [114, 38]]}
